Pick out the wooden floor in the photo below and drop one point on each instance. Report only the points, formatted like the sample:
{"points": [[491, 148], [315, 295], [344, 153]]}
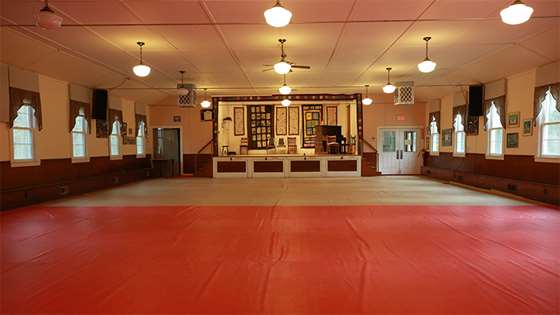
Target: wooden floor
{"points": [[385, 245]]}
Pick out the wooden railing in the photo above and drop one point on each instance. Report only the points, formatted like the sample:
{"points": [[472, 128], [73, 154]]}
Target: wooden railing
{"points": [[195, 173], [369, 144]]}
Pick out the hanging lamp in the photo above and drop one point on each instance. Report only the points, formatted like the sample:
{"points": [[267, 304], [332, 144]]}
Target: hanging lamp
{"points": [[205, 103], [427, 65], [278, 16], [285, 89], [516, 13], [389, 88], [367, 101], [141, 70]]}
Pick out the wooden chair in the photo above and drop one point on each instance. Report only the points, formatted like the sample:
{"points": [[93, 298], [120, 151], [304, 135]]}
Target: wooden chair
{"points": [[332, 144], [292, 145], [244, 147]]}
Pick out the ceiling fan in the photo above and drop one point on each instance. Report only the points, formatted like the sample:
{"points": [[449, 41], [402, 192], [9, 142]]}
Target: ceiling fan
{"points": [[284, 66]]}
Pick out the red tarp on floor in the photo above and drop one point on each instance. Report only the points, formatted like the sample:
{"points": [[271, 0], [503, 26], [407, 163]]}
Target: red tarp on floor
{"points": [[289, 259]]}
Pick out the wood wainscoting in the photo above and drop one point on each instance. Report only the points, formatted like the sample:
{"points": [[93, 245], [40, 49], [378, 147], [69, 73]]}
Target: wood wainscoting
{"points": [[56, 178], [198, 165], [516, 174]]}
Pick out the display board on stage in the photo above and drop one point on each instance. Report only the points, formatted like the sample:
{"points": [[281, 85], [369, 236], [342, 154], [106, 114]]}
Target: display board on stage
{"points": [[260, 126], [312, 117]]}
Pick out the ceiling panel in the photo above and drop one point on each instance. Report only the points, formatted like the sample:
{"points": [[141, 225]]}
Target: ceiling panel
{"points": [[394, 9], [92, 11], [165, 11]]}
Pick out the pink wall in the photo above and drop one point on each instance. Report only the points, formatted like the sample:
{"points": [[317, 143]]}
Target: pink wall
{"points": [[383, 113]]}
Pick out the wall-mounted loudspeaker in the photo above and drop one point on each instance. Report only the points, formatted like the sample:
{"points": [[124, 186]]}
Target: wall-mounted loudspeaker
{"points": [[476, 100], [99, 104]]}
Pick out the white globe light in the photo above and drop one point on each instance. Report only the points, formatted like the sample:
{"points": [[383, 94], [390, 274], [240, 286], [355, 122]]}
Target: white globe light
{"points": [[367, 101], [516, 13], [427, 66], [47, 19], [389, 88], [282, 67], [141, 70], [285, 90], [205, 104], [277, 16], [286, 102]]}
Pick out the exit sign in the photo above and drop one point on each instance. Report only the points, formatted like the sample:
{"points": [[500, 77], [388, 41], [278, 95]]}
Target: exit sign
{"points": [[401, 118]]}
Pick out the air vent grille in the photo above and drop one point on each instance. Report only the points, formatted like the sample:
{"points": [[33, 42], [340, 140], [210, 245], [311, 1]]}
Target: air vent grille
{"points": [[186, 95], [404, 95]]}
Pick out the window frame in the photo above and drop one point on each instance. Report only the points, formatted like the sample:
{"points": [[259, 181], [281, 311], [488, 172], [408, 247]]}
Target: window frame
{"points": [[455, 142], [540, 157], [84, 133], [143, 154], [489, 155], [432, 134], [34, 161], [118, 156]]}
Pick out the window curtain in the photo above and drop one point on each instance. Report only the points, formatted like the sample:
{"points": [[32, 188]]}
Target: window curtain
{"points": [[18, 98], [462, 110], [437, 116], [500, 103], [75, 111], [140, 118], [540, 93]]}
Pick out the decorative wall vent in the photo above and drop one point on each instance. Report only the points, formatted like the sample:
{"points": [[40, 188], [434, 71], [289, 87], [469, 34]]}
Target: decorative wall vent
{"points": [[186, 94], [404, 94]]}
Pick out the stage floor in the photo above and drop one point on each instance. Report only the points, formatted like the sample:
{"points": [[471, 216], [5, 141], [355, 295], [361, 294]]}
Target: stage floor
{"points": [[194, 246]]}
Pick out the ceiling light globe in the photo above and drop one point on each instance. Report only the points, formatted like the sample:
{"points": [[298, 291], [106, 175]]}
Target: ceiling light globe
{"points": [[517, 13], [285, 90], [205, 104], [389, 88], [141, 70], [367, 101], [286, 102], [282, 67], [47, 19], [427, 66], [278, 16]]}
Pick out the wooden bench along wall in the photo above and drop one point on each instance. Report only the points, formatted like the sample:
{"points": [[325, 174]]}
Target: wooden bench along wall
{"points": [[516, 174], [56, 178]]}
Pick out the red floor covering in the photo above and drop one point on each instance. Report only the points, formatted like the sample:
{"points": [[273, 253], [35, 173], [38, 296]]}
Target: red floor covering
{"points": [[289, 259]]}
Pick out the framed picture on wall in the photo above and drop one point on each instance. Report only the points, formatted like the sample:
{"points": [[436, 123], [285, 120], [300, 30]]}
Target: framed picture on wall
{"points": [[512, 140], [332, 114], [239, 121], [513, 119], [206, 114], [101, 129], [281, 121], [447, 137], [293, 121], [528, 127]]}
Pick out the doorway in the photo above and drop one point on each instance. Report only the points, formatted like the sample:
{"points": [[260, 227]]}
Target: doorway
{"points": [[399, 152], [167, 150]]}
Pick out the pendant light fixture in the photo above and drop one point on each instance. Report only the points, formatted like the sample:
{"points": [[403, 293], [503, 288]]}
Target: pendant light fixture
{"points": [[367, 101], [141, 69], [285, 89], [286, 102], [389, 88], [427, 66], [516, 13], [205, 103], [47, 19], [278, 16]]}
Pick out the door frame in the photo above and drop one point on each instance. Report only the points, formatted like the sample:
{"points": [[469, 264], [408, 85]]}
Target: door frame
{"points": [[180, 140], [419, 147]]}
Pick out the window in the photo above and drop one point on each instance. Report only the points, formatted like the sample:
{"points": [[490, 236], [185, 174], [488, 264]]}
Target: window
{"points": [[79, 136], [114, 139], [495, 132], [22, 134], [460, 136], [549, 127], [140, 150], [434, 136]]}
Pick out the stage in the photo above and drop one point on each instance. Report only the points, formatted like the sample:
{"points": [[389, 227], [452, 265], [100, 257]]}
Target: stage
{"points": [[326, 165]]}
